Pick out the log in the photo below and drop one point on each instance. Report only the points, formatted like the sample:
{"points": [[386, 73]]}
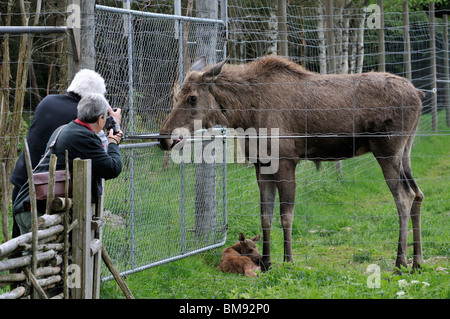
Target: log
{"points": [[97, 224], [58, 296], [45, 247], [95, 246], [14, 243], [35, 283], [46, 220], [60, 204], [18, 277], [14, 294], [49, 280], [50, 239], [25, 260], [73, 225], [11, 278], [47, 271]]}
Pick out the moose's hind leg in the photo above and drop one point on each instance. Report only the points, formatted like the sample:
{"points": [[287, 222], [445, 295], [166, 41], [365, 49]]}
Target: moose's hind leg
{"points": [[415, 209]]}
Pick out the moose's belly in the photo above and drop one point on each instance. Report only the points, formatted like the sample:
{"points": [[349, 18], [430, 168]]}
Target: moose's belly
{"points": [[330, 148]]}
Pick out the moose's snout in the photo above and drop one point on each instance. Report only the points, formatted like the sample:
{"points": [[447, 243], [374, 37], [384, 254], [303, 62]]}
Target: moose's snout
{"points": [[166, 144], [176, 137]]}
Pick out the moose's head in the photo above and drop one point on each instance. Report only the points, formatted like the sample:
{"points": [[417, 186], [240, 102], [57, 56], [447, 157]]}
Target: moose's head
{"points": [[194, 102], [249, 248]]}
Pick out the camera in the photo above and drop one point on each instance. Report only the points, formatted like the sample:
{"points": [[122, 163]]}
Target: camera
{"points": [[111, 123]]}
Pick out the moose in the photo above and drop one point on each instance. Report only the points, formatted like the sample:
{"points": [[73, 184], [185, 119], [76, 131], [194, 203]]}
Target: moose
{"points": [[241, 258], [318, 118]]}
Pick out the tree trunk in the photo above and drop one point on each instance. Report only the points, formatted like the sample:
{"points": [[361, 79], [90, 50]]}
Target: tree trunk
{"points": [[24, 61], [321, 36], [360, 44], [273, 29], [5, 74]]}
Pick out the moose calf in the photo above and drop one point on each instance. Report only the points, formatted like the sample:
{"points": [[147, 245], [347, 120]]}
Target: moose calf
{"points": [[241, 258]]}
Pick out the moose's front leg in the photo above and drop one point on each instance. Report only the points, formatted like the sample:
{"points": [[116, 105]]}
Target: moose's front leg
{"points": [[286, 190], [267, 189]]}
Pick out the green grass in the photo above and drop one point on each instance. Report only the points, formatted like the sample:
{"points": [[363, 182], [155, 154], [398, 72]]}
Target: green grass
{"points": [[342, 225]]}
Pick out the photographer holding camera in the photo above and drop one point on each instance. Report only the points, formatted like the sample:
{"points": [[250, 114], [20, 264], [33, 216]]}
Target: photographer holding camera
{"points": [[52, 112], [80, 139]]}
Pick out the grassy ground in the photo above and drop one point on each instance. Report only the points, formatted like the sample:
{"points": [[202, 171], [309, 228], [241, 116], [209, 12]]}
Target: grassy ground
{"points": [[343, 224]]}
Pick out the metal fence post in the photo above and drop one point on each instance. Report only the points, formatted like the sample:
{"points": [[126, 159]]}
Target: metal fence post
{"points": [[179, 34], [446, 71], [182, 194], [129, 34]]}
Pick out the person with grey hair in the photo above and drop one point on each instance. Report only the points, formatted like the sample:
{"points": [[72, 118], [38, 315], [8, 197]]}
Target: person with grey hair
{"points": [[53, 111], [80, 139]]}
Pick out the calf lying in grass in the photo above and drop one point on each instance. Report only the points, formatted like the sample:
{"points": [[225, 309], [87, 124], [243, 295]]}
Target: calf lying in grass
{"points": [[241, 258]]}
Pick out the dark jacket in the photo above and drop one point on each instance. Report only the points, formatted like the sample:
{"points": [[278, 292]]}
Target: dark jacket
{"points": [[51, 113], [82, 143]]}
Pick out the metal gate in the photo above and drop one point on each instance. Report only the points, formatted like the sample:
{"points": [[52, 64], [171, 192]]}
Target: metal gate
{"points": [[159, 209]]}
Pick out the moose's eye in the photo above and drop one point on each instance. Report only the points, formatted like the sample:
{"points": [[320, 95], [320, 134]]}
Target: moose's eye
{"points": [[192, 99]]}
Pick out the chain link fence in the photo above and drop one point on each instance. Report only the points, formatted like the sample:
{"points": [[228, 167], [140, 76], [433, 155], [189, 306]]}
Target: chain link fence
{"points": [[157, 210]]}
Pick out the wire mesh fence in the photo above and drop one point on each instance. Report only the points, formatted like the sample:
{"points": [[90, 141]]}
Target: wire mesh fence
{"points": [[336, 221], [155, 203]]}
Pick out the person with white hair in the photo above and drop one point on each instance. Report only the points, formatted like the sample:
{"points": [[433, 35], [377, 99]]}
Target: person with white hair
{"points": [[80, 139], [53, 111]]}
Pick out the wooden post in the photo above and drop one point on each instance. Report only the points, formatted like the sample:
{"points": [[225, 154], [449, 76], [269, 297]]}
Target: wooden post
{"points": [[34, 223], [446, 71], [282, 28], [122, 284], [86, 237], [433, 69], [407, 42], [51, 182], [381, 50], [81, 236], [5, 202], [66, 230]]}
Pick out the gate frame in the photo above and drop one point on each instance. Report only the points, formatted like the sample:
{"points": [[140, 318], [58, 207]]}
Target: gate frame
{"points": [[128, 13]]}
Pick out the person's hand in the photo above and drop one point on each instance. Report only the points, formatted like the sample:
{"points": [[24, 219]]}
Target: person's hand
{"points": [[116, 139], [116, 113]]}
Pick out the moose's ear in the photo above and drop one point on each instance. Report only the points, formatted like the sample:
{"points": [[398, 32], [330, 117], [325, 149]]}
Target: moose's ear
{"points": [[256, 238], [199, 64], [215, 70], [241, 237]]}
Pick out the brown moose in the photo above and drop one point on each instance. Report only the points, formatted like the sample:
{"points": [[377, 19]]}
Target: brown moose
{"points": [[241, 258], [319, 118]]}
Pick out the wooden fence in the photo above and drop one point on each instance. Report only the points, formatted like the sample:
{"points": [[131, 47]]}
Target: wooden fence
{"points": [[61, 257]]}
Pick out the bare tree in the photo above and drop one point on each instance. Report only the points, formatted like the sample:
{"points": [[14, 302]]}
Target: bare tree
{"points": [[11, 120]]}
